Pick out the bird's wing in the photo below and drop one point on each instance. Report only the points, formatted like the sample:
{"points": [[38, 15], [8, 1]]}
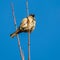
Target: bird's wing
{"points": [[23, 23]]}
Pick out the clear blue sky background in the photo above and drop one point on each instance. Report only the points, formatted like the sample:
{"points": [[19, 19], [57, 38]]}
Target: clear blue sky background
{"points": [[45, 39]]}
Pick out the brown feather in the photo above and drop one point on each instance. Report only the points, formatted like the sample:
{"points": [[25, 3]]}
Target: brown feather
{"points": [[15, 33]]}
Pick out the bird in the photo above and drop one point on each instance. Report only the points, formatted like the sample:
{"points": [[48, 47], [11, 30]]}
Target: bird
{"points": [[27, 24]]}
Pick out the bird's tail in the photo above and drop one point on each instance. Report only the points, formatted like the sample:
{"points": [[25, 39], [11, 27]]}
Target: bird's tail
{"points": [[15, 33]]}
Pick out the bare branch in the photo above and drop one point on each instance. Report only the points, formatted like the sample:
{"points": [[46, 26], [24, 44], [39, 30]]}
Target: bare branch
{"points": [[19, 46], [27, 12]]}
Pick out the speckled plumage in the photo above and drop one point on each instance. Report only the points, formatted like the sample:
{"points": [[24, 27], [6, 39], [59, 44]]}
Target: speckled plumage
{"points": [[24, 25]]}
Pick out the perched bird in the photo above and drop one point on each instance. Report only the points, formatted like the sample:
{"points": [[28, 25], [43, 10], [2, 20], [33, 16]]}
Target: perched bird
{"points": [[27, 24]]}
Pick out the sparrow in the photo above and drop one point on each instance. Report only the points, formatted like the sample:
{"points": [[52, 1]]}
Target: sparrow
{"points": [[27, 24]]}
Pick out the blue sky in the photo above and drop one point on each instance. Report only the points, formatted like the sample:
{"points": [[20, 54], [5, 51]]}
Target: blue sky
{"points": [[45, 39]]}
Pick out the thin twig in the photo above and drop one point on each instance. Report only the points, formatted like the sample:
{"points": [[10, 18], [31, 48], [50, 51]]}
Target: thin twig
{"points": [[19, 46], [27, 11]]}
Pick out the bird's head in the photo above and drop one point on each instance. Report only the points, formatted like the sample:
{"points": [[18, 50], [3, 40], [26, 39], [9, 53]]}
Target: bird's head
{"points": [[32, 15]]}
